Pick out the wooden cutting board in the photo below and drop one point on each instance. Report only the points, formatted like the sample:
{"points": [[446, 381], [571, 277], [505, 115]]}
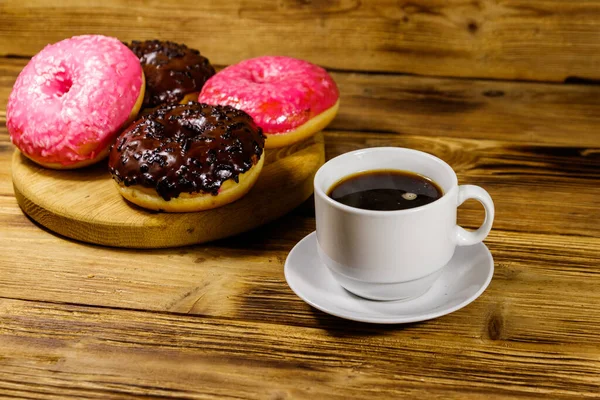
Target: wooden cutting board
{"points": [[85, 204]]}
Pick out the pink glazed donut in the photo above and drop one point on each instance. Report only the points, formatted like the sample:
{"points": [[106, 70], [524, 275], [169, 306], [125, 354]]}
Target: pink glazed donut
{"points": [[289, 99], [70, 101]]}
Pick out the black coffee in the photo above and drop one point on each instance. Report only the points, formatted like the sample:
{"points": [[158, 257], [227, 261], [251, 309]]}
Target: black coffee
{"points": [[385, 190]]}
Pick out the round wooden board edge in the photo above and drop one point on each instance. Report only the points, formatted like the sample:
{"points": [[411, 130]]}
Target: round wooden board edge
{"points": [[104, 235]]}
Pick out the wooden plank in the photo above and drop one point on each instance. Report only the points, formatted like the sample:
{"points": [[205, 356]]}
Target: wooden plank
{"points": [[54, 349], [544, 288], [85, 205], [514, 39], [533, 186], [528, 112], [567, 115]]}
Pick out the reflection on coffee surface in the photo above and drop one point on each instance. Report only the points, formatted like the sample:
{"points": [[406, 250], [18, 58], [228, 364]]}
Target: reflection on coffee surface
{"points": [[385, 190]]}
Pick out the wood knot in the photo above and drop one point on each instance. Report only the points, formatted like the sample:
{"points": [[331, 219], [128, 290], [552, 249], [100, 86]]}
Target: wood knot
{"points": [[495, 326], [493, 93], [473, 27]]}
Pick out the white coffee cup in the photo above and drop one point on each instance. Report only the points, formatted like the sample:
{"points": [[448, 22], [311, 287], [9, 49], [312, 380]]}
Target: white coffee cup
{"points": [[392, 255]]}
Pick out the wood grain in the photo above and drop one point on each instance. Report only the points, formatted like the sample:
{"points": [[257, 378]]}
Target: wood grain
{"points": [[217, 320], [514, 39], [545, 189], [94, 352], [536, 113], [233, 279], [85, 205]]}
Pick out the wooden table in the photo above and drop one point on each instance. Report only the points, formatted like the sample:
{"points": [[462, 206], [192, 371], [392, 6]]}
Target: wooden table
{"points": [[219, 321]]}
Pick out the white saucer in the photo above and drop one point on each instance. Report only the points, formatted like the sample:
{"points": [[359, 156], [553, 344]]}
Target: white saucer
{"points": [[464, 278]]}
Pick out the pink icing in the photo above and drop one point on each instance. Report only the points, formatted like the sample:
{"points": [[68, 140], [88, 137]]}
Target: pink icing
{"points": [[77, 92], [279, 93]]}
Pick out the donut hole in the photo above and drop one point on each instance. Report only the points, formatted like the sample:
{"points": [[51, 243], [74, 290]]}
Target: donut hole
{"points": [[60, 83]]}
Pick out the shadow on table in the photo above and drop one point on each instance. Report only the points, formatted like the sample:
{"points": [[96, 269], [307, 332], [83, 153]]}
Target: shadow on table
{"points": [[280, 234], [343, 328]]}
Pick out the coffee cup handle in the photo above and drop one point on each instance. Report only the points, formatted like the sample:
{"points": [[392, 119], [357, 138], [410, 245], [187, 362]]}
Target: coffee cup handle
{"points": [[465, 192]]}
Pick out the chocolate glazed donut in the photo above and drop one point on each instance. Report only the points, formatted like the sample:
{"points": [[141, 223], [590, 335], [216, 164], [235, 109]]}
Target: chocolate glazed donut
{"points": [[172, 71], [186, 149]]}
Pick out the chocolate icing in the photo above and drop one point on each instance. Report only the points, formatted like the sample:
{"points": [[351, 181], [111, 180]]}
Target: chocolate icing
{"points": [[186, 148], [172, 70]]}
